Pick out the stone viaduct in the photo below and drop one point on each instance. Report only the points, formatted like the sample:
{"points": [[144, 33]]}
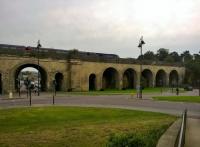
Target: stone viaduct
{"points": [[83, 71]]}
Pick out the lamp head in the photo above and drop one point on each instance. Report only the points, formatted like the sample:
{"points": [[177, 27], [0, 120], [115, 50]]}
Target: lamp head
{"points": [[38, 44]]}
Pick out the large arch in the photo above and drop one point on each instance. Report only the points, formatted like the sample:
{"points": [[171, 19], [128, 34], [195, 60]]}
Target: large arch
{"points": [[110, 79], [1, 84], [59, 81], [129, 79], [173, 78], [92, 82], [147, 78], [161, 78], [42, 73]]}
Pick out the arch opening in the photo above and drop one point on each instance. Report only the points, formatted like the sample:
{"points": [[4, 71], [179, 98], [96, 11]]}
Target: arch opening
{"points": [[129, 79], [1, 84], [92, 82], [59, 81], [110, 79], [173, 78], [147, 78], [30, 71], [161, 78]]}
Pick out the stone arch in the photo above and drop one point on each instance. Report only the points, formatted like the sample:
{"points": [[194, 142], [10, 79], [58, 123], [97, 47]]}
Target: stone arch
{"points": [[129, 79], [1, 84], [147, 78], [59, 81], [110, 79], [43, 74], [92, 82], [173, 78], [161, 78]]}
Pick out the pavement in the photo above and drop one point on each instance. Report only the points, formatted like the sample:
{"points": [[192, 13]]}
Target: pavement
{"points": [[192, 137]]}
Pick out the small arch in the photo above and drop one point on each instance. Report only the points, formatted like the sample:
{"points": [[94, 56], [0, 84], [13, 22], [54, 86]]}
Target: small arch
{"points": [[173, 78], [161, 78], [147, 78], [42, 75], [110, 78], [129, 79], [92, 82], [59, 81], [1, 85]]}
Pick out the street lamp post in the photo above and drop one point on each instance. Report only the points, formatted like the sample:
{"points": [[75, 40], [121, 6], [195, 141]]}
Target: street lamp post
{"points": [[198, 82], [29, 90], [26, 84], [54, 91], [141, 43], [161, 85], [19, 86], [38, 51]]}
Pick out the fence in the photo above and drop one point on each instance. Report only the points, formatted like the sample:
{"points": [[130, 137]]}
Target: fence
{"points": [[181, 139]]}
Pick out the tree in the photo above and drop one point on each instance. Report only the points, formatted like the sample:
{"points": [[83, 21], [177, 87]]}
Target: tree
{"points": [[149, 55], [162, 53], [192, 68], [169, 59], [186, 56], [175, 56]]}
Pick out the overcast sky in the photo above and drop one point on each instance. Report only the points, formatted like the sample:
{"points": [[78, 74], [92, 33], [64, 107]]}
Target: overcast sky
{"points": [[108, 26]]}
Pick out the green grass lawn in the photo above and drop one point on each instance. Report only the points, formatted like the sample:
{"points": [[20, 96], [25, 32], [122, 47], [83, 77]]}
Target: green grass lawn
{"points": [[117, 92], [76, 126], [195, 99]]}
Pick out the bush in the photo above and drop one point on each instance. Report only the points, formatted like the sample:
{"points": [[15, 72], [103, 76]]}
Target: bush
{"points": [[125, 140], [101, 89], [148, 139]]}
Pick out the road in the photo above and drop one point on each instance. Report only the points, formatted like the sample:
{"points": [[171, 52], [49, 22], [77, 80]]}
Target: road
{"points": [[116, 101]]}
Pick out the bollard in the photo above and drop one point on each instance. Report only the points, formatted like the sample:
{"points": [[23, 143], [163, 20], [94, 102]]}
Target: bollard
{"points": [[53, 100], [10, 95]]}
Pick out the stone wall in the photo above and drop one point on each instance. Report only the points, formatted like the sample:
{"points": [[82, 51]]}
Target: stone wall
{"points": [[76, 67]]}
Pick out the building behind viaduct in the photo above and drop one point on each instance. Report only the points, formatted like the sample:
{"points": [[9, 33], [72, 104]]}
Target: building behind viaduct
{"points": [[82, 71]]}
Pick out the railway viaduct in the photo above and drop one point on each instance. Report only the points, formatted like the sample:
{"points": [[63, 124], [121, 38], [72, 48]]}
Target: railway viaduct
{"points": [[83, 71]]}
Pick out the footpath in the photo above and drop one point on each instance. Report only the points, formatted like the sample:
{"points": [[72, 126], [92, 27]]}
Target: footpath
{"points": [[192, 136]]}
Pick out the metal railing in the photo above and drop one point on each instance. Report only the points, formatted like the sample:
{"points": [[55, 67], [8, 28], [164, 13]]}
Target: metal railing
{"points": [[181, 139]]}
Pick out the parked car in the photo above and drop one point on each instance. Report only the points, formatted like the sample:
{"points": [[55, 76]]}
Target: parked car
{"points": [[188, 87]]}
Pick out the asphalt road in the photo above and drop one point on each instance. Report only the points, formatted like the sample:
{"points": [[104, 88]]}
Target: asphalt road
{"points": [[116, 101]]}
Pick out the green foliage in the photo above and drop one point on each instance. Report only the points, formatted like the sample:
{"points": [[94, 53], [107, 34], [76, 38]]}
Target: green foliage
{"points": [[137, 139], [125, 140], [175, 57], [193, 72], [186, 56], [116, 91], [195, 99], [149, 55], [162, 53]]}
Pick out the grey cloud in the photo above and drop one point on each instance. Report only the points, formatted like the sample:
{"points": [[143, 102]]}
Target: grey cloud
{"points": [[86, 25]]}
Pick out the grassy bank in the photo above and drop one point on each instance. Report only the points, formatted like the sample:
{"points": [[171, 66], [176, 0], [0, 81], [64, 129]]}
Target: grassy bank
{"points": [[195, 99], [117, 92], [76, 126]]}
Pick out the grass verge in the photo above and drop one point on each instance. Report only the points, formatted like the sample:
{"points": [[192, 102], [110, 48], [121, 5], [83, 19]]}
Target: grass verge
{"points": [[118, 92], [194, 99], [76, 126]]}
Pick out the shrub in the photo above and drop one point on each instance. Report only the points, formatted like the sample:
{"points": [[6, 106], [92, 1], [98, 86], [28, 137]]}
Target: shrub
{"points": [[148, 139], [125, 140]]}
